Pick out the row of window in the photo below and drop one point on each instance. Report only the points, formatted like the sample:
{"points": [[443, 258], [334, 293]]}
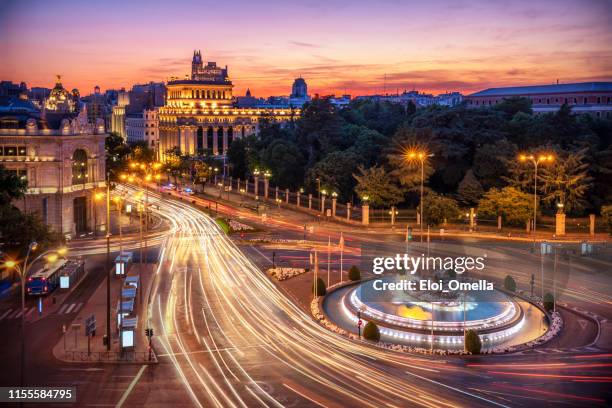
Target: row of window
{"points": [[13, 151], [548, 101], [199, 94]]}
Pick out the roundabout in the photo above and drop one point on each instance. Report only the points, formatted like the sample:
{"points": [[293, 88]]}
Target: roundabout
{"points": [[436, 319]]}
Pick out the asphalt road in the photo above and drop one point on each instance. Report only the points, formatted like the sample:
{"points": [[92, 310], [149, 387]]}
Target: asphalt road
{"points": [[227, 337]]}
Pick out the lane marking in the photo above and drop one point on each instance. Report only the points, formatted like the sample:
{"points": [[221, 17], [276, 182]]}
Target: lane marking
{"points": [[62, 308], [29, 311], [129, 389], [6, 313], [76, 309], [458, 390], [70, 308]]}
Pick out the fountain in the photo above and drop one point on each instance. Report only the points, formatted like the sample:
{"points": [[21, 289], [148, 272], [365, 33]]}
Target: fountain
{"points": [[418, 318]]}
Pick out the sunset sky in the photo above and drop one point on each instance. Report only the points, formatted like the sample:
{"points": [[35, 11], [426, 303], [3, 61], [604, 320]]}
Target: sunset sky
{"points": [[337, 46]]}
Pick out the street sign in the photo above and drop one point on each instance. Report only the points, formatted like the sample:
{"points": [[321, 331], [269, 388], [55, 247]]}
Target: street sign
{"points": [[360, 322]]}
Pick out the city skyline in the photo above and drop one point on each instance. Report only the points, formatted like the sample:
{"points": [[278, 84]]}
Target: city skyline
{"points": [[437, 47]]}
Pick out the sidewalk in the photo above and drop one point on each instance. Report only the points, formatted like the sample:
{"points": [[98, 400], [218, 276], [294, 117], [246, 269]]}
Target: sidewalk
{"points": [[73, 345], [306, 216]]}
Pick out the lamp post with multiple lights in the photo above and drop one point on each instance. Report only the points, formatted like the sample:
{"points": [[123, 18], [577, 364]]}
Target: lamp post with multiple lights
{"points": [[421, 156], [536, 160]]}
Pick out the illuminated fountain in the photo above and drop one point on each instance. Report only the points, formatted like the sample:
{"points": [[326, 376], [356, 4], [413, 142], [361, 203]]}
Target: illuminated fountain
{"points": [[415, 318]]}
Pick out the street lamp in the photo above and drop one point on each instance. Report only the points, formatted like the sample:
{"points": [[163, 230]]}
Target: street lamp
{"points": [[421, 156], [267, 174], [118, 202], [22, 272], [97, 198], [536, 160]]}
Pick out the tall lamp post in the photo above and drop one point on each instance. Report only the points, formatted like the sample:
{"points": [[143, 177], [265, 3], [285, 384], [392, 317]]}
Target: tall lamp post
{"points": [[421, 156], [22, 272], [97, 198], [536, 161]]}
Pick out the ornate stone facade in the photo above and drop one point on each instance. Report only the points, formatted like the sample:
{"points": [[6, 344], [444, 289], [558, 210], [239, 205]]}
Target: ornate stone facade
{"points": [[200, 112], [63, 159]]}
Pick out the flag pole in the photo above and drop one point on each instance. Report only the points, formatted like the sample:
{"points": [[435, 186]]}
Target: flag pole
{"points": [[341, 255], [328, 258]]}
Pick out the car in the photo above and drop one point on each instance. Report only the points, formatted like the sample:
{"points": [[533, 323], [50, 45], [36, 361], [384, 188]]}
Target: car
{"points": [[188, 191]]}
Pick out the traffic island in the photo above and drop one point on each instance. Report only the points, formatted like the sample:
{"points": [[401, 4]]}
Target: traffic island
{"points": [[83, 339], [505, 324]]}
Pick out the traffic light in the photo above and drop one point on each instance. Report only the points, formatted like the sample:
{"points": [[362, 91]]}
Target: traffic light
{"points": [[149, 332], [409, 233]]}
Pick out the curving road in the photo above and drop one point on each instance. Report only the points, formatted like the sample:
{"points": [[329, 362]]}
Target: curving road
{"points": [[232, 339]]}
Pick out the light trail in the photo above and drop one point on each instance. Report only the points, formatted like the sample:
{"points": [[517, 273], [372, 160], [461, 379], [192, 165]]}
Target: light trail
{"points": [[212, 303]]}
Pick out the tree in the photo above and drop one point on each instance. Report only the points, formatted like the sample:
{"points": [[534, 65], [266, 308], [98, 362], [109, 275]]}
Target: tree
{"points": [[469, 190], [371, 332], [567, 181], [408, 172], [238, 158], [437, 208], [320, 288], [17, 230], [141, 152], [354, 273], [472, 341], [336, 173], [377, 185], [548, 302], [285, 161], [175, 163], [512, 106], [117, 153], [514, 206], [12, 186], [606, 215], [490, 163], [509, 283]]}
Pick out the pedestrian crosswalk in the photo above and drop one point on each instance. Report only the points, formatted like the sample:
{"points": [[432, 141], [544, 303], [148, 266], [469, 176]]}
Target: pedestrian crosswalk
{"points": [[15, 313]]}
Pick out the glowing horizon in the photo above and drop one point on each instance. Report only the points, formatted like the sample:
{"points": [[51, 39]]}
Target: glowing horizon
{"points": [[336, 47]]}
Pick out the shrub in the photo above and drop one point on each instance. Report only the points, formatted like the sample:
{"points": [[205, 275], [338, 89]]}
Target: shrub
{"points": [[371, 332], [354, 274], [321, 290], [549, 302], [223, 224], [472, 342], [509, 283]]}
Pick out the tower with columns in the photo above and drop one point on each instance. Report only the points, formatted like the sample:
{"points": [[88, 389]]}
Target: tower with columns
{"points": [[200, 114]]}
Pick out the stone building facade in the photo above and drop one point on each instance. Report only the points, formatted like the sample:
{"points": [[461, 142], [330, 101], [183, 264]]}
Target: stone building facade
{"points": [[200, 113], [63, 159], [594, 98]]}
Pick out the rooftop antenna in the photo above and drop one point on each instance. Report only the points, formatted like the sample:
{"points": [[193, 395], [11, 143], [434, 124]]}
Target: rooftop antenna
{"points": [[385, 85]]}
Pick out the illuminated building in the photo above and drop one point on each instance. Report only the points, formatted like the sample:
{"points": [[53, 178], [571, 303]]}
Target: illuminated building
{"points": [[118, 113], [200, 113], [62, 156], [143, 127], [60, 100]]}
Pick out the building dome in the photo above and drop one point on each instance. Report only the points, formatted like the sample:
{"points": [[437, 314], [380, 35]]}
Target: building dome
{"points": [[59, 98]]}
